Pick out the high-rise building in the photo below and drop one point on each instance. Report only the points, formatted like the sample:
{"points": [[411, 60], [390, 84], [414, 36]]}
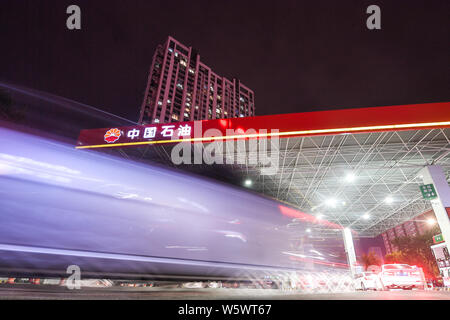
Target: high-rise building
{"points": [[182, 88]]}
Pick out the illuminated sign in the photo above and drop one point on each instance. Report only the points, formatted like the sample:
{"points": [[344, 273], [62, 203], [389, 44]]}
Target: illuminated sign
{"points": [[428, 191], [438, 238], [163, 131], [112, 135], [333, 122], [128, 135]]}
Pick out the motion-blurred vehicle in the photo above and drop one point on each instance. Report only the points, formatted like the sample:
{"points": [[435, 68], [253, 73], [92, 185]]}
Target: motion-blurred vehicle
{"points": [[214, 284], [305, 283], [116, 218], [366, 281], [136, 284], [53, 281], [266, 284], [231, 284], [193, 285], [400, 276], [22, 280]]}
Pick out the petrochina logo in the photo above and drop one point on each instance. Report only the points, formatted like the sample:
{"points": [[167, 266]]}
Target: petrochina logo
{"points": [[112, 135]]}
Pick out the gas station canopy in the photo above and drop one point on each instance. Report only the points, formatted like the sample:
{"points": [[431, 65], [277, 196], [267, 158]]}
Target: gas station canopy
{"points": [[359, 168]]}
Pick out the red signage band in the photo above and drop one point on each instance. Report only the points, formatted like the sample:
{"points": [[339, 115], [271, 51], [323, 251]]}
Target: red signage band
{"points": [[394, 118]]}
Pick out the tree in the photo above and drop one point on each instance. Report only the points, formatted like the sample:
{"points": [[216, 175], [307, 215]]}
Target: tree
{"points": [[395, 257], [416, 251], [370, 259]]}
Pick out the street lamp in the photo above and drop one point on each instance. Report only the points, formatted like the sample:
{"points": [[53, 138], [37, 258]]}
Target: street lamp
{"points": [[350, 177], [331, 202], [389, 200]]}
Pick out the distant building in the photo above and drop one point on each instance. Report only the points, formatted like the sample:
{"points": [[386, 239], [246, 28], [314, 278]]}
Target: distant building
{"points": [[182, 88], [410, 228]]}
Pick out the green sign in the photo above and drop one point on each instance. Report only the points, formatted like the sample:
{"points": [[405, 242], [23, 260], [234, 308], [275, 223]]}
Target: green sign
{"points": [[438, 238], [428, 192]]}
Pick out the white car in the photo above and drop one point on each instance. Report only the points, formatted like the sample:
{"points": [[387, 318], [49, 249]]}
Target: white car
{"points": [[400, 276], [366, 281]]}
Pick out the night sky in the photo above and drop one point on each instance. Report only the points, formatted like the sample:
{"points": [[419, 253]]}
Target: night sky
{"points": [[296, 55]]}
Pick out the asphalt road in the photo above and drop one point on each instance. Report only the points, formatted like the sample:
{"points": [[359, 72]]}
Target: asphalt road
{"points": [[25, 291]]}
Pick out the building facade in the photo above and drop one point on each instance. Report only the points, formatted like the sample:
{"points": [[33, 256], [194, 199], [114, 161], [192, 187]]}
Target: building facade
{"points": [[182, 88], [410, 228]]}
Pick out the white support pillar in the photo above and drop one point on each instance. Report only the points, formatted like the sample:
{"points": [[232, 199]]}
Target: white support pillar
{"points": [[350, 249], [435, 175]]}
